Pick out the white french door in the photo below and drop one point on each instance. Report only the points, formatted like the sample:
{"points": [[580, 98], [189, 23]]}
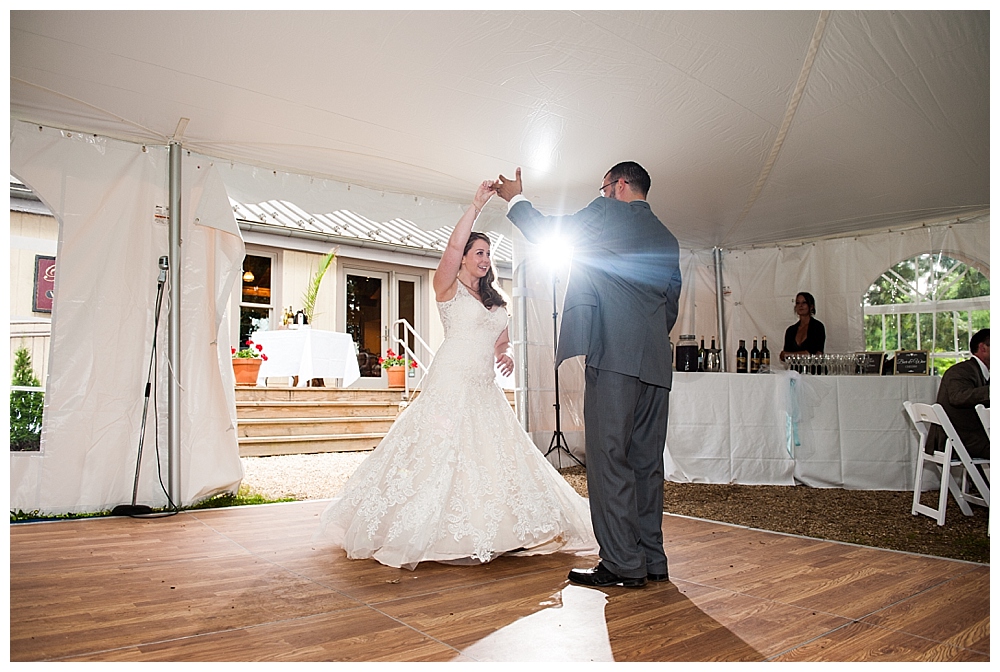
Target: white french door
{"points": [[407, 305], [373, 300], [366, 319]]}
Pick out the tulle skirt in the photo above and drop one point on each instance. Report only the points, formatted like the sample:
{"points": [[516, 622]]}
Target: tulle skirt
{"points": [[457, 480]]}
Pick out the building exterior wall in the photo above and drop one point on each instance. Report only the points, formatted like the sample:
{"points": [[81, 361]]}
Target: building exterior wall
{"points": [[297, 269], [34, 234]]}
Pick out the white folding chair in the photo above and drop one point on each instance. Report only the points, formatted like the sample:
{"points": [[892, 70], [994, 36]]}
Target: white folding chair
{"points": [[954, 456], [984, 417], [967, 473]]}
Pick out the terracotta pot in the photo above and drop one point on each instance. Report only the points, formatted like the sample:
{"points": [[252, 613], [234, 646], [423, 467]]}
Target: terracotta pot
{"points": [[397, 376], [246, 370]]}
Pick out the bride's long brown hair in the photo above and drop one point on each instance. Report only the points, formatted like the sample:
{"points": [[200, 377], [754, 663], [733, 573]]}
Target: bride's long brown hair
{"points": [[488, 291]]}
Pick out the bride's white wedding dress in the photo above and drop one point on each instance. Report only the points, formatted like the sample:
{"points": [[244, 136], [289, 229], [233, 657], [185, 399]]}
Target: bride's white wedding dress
{"points": [[456, 479]]}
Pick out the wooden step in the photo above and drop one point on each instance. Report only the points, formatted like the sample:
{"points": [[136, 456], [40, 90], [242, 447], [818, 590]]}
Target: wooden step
{"points": [[250, 393], [263, 446], [297, 420], [291, 427], [315, 409]]}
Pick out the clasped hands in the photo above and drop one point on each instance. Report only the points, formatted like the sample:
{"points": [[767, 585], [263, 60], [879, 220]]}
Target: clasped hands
{"points": [[502, 186]]}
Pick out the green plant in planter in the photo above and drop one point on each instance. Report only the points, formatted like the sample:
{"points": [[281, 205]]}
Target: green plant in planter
{"points": [[25, 407], [309, 298]]}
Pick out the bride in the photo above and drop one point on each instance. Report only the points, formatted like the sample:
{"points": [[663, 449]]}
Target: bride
{"points": [[456, 479]]}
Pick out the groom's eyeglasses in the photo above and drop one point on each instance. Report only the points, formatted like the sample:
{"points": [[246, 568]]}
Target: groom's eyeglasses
{"points": [[609, 184]]}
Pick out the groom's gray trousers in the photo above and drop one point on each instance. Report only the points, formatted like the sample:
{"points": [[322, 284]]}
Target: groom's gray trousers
{"points": [[626, 433]]}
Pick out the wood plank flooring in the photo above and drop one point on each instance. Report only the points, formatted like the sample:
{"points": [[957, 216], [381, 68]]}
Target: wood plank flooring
{"points": [[251, 584]]}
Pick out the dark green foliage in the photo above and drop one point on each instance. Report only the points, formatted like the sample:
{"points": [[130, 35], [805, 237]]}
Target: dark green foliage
{"points": [[244, 497], [25, 407]]}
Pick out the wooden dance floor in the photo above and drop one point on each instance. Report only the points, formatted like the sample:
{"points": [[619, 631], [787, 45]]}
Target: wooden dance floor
{"points": [[250, 584]]}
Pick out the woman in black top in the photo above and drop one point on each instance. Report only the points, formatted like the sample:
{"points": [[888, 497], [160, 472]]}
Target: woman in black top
{"points": [[808, 335]]}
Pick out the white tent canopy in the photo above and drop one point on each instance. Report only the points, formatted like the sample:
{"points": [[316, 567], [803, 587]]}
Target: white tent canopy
{"points": [[759, 129], [756, 127]]}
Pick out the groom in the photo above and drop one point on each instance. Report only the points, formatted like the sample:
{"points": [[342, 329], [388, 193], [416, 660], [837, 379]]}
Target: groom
{"points": [[621, 303]]}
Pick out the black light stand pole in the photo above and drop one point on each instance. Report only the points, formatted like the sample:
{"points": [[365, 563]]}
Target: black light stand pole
{"points": [[558, 442], [134, 509]]}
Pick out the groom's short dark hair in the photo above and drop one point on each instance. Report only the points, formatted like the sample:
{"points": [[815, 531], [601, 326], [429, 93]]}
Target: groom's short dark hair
{"points": [[634, 174]]}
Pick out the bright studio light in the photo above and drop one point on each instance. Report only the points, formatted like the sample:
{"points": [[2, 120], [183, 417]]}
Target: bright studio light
{"points": [[556, 252]]}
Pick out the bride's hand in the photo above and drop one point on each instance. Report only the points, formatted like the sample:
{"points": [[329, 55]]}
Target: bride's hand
{"points": [[483, 194], [506, 364]]}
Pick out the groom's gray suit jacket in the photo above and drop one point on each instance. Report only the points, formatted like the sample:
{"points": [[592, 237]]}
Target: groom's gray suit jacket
{"points": [[623, 289]]}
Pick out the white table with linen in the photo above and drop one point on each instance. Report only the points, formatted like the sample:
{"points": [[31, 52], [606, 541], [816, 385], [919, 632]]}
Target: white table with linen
{"points": [[786, 428], [308, 353]]}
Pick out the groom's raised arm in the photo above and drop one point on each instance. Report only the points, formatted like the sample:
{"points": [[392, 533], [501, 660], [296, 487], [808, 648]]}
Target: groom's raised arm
{"points": [[535, 226]]}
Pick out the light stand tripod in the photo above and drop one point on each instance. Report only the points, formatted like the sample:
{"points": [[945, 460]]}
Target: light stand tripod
{"points": [[558, 438]]}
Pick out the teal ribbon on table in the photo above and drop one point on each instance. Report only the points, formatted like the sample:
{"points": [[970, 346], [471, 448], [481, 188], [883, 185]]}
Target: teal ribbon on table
{"points": [[792, 420]]}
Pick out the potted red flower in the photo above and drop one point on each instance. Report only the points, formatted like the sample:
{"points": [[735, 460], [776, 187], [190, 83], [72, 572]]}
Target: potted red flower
{"points": [[247, 361], [395, 365]]}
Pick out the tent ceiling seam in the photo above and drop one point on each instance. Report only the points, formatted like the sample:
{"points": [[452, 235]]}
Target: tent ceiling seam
{"points": [[793, 105]]}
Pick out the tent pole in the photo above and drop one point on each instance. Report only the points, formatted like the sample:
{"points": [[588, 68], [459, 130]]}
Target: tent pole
{"points": [[521, 310], [717, 254], [174, 331]]}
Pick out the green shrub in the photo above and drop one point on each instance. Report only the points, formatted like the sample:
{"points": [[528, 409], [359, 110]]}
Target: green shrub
{"points": [[25, 407]]}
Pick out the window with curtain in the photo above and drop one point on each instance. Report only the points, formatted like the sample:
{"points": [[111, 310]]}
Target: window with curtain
{"points": [[929, 302]]}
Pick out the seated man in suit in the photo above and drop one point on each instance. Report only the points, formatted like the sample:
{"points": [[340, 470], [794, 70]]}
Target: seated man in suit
{"points": [[962, 387]]}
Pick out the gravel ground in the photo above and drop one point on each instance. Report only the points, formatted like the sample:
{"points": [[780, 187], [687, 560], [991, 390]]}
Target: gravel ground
{"points": [[318, 476], [876, 518]]}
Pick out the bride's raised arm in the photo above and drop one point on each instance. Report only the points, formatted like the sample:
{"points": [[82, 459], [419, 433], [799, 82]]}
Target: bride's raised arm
{"points": [[451, 261]]}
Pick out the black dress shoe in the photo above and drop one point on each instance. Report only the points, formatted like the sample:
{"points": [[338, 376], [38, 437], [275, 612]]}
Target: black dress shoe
{"points": [[657, 577], [603, 577]]}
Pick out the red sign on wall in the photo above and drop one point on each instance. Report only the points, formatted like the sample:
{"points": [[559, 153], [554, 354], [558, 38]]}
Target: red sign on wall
{"points": [[45, 283]]}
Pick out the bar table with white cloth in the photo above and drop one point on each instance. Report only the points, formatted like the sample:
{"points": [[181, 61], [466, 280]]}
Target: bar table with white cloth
{"points": [[308, 353], [786, 428]]}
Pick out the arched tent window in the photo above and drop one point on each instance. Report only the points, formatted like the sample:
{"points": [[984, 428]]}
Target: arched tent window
{"points": [[930, 302]]}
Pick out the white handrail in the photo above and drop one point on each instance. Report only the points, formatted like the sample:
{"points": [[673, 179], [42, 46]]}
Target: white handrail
{"points": [[407, 352]]}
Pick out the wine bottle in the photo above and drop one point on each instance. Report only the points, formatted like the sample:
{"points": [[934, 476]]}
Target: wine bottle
{"points": [[754, 358], [765, 354], [741, 357], [701, 355], [712, 361]]}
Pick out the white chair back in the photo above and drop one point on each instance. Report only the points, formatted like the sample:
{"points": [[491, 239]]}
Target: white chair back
{"points": [[984, 417]]}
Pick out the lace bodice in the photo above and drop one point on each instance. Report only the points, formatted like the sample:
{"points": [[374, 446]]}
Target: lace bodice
{"points": [[470, 335]]}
